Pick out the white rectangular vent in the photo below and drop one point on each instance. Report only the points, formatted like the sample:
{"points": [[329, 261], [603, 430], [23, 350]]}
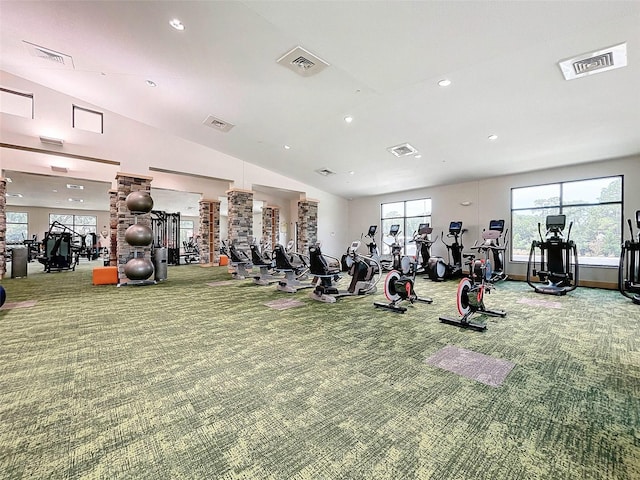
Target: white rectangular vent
{"points": [[325, 172], [72, 186], [44, 53], [302, 62], [402, 150], [594, 62], [218, 124]]}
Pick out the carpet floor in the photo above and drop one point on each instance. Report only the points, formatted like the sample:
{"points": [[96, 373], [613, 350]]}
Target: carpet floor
{"points": [[197, 377]]}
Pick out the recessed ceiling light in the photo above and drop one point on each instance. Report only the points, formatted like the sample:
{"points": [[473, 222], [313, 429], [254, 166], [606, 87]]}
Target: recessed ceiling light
{"points": [[8, 179], [72, 186], [418, 156], [54, 190], [492, 137], [151, 83], [79, 200], [13, 195], [444, 82], [287, 147], [177, 24], [348, 119], [352, 172]]}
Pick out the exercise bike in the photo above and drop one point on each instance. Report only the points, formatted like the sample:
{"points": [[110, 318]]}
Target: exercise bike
{"points": [[364, 271], [629, 269], [437, 269], [471, 289], [558, 259], [399, 283]]}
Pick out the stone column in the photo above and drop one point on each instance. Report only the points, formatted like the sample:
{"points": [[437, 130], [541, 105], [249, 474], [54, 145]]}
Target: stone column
{"points": [[307, 224], [270, 224], [209, 232], [3, 227], [128, 183], [240, 217], [113, 228]]}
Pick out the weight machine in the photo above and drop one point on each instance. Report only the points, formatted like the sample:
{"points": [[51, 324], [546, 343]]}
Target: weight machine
{"points": [[166, 234]]}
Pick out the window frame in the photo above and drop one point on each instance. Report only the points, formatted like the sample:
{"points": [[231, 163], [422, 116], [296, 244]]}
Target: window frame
{"points": [[7, 223], [561, 206], [405, 238]]}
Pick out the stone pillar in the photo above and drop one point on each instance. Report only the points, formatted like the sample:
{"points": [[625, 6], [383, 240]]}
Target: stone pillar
{"points": [[3, 227], [270, 224], [209, 232], [307, 224], [240, 217], [113, 228], [128, 183]]}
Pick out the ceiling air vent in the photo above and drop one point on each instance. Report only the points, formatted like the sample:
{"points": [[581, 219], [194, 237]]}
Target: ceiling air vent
{"points": [[594, 62], [325, 172], [302, 62], [44, 53], [402, 150], [218, 124]]}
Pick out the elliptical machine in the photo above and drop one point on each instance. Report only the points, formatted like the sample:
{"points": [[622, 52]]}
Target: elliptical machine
{"points": [[471, 289], [392, 262], [629, 269], [497, 254], [399, 283], [558, 259], [437, 269], [423, 247]]}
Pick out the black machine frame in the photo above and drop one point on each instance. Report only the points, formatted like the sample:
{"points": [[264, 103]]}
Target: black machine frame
{"points": [[166, 234], [557, 256], [629, 267]]}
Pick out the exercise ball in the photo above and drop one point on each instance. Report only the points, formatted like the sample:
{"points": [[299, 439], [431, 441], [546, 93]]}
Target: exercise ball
{"points": [[3, 295], [138, 235], [139, 202], [138, 269]]}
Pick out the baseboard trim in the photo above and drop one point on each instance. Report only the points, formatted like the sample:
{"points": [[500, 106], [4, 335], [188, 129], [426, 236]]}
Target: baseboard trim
{"points": [[581, 283]]}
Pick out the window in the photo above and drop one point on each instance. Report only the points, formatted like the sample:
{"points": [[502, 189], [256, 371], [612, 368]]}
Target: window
{"points": [[17, 227], [594, 206], [80, 224], [409, 215], [186, 230], [89, 120]]}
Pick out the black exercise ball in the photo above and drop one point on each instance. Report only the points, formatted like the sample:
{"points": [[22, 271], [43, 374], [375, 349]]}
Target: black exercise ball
{"points": [[138, 235], [138, 269], [3, 295], [139, 202]]}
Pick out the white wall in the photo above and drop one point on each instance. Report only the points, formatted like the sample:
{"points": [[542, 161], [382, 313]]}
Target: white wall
{"points": [[491, 199], [138, 147]]}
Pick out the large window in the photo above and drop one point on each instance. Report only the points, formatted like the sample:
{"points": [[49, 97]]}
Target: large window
{"points": [[409, 215], [17, 227], [594, 206], [81, 224]]}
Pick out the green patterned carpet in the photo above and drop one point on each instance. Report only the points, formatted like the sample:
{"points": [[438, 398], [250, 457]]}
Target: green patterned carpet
{"points": [[186, 380]]}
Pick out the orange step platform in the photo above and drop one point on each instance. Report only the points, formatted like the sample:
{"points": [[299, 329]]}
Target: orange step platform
{"points": [[105, 276]]}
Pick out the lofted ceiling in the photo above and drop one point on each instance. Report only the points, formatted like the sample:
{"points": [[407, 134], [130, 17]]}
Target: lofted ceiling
{"points": [[385, 59]]}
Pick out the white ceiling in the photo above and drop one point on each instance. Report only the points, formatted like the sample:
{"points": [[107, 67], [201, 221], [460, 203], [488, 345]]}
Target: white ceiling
{"points": [[385, 58]]}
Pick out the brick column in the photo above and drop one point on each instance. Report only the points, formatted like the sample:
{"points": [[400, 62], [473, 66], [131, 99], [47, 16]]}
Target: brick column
{"points": [[128, 183], [240, 217], [113, 228], [3, 227], [209, 232], [270, 224], [307, 224]]}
